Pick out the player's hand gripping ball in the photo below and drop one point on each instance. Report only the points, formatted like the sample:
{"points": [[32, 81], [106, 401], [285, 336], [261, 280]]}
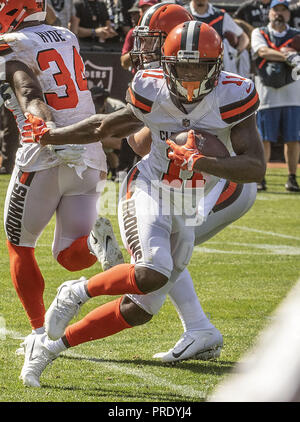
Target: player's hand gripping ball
{"points": [[189, 146]]}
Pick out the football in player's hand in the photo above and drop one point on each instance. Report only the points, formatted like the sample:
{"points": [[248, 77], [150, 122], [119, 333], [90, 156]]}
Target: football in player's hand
{"points": [[207, 143]]}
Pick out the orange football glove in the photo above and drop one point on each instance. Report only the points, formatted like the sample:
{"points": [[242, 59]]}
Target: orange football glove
{"points": [[185, 156], [34, 129]]}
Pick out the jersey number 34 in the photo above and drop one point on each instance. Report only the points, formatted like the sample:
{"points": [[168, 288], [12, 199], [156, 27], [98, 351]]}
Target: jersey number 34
{"points": [[63, 78]]}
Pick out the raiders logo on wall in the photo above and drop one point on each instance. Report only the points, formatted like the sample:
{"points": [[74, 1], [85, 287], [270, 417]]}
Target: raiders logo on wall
{"points": [[98, 75], [58, 5]]}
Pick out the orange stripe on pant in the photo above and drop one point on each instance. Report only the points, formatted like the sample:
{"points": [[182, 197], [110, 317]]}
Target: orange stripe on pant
{"points": [[227, 193], [128, 193]]}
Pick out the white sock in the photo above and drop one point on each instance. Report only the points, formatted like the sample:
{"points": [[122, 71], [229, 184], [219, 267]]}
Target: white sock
{"points": [[187, 304], [79, 289], [56, 346]]}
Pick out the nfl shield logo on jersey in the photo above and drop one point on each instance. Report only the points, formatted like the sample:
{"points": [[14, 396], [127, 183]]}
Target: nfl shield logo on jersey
{"points": [[186, 122], [98, 75]]}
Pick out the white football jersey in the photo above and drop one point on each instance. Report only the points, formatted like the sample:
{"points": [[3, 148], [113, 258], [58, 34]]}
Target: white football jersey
{"points": [[234, 99], [52, 53]]}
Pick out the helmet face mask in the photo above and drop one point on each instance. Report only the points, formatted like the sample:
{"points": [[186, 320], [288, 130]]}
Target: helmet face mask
{"points": [[151, 32], [191, 81], [192, 61], [14, 12], [146, 52]]}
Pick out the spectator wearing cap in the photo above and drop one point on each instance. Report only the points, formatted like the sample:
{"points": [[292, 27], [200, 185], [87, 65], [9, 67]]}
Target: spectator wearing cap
{"points": [[235, 39], [92, 23], [136, 12], [275, 51]]}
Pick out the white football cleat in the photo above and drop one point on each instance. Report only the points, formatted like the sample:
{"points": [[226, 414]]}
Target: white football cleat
{"points": [[103, 244], [37, 357], [200, 344], [63, 308]]}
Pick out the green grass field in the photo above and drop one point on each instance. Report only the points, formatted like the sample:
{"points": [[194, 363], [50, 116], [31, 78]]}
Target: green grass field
{"points": [[240, 276]]}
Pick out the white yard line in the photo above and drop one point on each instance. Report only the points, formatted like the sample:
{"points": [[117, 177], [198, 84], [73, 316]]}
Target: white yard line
{"points": [[269, 249], [182, 390], [249, 229]]}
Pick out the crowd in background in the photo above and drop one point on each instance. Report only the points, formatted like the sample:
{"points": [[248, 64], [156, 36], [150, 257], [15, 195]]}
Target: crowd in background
{"points": [[107, 25]]}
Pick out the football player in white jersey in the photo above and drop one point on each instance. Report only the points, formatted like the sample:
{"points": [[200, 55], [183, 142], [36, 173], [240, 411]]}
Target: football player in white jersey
{"points": [[190, 92], [43, 73], [204, 339]]}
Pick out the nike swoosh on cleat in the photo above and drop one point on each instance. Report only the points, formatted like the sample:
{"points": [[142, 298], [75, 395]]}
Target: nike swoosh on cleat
{"points": [[32, 347], [177, 355], [95, 239], [106, 241]]}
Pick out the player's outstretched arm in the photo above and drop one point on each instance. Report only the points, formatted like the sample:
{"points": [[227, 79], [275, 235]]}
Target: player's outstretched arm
{"points": [[99, 127], [27, 90]]}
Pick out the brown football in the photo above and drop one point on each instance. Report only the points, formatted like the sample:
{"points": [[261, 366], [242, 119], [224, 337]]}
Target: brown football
{"points": [[207, 143]]}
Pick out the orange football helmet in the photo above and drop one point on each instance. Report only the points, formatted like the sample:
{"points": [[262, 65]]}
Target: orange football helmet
{"points": [[14, 12], [192, 60], [152, 30]]}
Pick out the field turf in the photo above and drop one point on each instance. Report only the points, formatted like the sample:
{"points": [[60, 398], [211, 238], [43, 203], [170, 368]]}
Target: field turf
{"points": [[240, 275]]}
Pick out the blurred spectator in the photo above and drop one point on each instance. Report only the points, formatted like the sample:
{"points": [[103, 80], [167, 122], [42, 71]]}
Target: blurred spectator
{"points": [[119, 16], [235, 39], [250, 65], [254, 12], [278, 86], [92, 24], [51, 17], [65, 11], [136, 12], [295, 15], [120, 156]]}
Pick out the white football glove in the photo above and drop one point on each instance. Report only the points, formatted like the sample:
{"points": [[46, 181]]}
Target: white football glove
{"points": [[69, 154]]}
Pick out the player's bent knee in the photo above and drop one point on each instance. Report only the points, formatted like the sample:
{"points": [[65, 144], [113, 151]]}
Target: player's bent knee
{"points": [[149, 280], [132, 313]]}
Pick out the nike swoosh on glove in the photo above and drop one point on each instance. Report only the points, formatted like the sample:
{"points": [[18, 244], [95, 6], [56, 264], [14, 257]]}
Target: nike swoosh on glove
{"points": [[34, 129], [69, 154], [185, 156]]}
